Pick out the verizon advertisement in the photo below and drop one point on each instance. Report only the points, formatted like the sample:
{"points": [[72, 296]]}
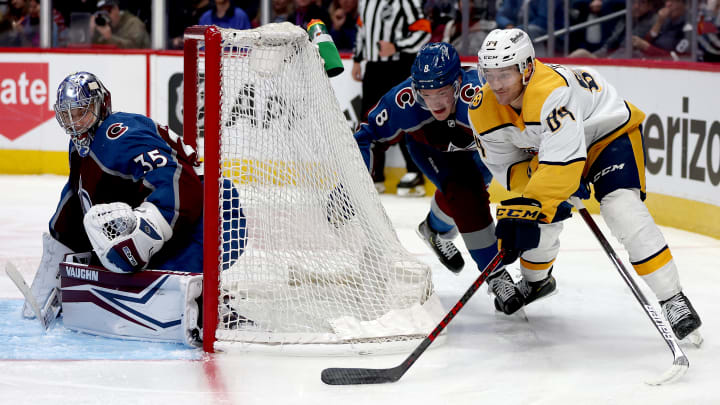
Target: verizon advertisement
{"points": [[682, 127]]}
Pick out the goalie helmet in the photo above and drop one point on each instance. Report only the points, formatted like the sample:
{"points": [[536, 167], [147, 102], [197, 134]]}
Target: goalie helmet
{"points": [[82, 104], [437, 65], [509, 47]]}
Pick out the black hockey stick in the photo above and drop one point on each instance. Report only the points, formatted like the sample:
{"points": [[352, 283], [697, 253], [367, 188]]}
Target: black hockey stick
{"points": [[350, 376], [680, 361]]}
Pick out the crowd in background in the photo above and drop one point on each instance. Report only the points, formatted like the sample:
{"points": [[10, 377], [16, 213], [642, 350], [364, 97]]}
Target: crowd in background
{"points": [[661, 28]]}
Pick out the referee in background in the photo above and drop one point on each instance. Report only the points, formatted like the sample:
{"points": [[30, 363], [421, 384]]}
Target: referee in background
{"points": [[390, 33]]}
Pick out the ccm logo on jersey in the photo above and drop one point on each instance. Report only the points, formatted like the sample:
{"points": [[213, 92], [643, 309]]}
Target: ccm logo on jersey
{"points": [[607, 170], [115, 130]]}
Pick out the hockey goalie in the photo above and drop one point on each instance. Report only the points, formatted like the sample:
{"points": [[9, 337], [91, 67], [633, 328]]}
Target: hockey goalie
{"points": [[133, 199]]}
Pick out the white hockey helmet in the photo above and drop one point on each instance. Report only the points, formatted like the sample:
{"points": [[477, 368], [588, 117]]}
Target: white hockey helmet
{"points": [[508, 47]]}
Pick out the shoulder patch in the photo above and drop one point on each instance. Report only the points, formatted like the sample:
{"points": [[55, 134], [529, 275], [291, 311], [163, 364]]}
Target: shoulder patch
{"points": [[468, 92], [116, 130], [477, 100], [405, 97]]}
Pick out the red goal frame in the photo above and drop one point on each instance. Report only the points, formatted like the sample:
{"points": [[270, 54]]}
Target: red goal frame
{"points": [[211, 37]]}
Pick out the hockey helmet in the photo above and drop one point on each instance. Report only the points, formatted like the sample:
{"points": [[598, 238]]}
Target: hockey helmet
{"points": [[507, 47], [82, 104], [436, 65]]}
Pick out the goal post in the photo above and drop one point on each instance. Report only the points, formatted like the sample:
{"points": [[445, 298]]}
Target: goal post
{"points": [[299, 254]]}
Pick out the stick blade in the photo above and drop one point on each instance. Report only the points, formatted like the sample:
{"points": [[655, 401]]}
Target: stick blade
{"points": [[679, 368], [354, 376]]}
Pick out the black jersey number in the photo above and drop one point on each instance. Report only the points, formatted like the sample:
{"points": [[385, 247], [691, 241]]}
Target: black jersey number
{"points": [[556, 116]]}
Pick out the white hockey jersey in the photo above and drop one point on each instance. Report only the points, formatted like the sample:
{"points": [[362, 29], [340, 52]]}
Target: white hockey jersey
{"points": [[568, 116]]}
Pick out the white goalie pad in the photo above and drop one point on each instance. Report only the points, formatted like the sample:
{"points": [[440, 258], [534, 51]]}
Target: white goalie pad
{"points": [[150, 305], [125, 239], [46, 276]]}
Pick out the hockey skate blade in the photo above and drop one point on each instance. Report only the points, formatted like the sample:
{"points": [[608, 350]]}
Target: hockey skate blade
{"points": [[417, 191], [695, 338], [679, 368], [21, 285]]}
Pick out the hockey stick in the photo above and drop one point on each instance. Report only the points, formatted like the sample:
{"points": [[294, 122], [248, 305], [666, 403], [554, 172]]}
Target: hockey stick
{"points": [[46, 315], [680, 361], [350, 376]]}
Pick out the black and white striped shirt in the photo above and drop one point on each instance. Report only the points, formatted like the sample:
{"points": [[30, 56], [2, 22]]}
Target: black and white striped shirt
{"points": [[401, 22]]}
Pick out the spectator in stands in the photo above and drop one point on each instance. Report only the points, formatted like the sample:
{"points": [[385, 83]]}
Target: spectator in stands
{"points": [[482, 21], [223, 14], [306, 10], [344, 15], [68, 7], [32, 25], [183, 17], [644, 15], [251, 8], [594, 36], [111, 26], [16, 22], [670, 35], [281, 10], [708, 28]]}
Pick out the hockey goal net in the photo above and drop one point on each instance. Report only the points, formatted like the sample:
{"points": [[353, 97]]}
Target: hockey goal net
{"points": [[299, 252]]}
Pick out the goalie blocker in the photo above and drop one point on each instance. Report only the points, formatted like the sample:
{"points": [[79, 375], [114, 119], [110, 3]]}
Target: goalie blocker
{"points": [[150, 305]]}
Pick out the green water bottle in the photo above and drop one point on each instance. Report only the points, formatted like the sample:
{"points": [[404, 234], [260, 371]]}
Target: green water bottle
{"points": [[319, 36]]}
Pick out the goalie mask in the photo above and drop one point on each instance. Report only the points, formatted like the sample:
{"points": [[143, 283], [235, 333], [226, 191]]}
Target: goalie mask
{"points": [[82, 104], [437, 65]]}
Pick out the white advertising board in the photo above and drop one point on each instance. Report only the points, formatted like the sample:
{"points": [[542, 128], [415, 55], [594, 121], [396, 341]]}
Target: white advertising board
{"points": [[28, 83]]}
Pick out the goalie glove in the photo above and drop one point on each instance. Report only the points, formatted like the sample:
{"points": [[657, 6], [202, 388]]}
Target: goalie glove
{"points": [[125, 239], [517, 227]]}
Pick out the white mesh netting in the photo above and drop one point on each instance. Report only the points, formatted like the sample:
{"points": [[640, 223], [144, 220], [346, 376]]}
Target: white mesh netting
{"points": [[319, 261]]}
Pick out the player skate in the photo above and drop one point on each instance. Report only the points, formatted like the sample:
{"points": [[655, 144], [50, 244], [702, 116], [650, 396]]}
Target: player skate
{"points": [[682, 316], [411, 185], [534, 290], [443, 247], [508, 298]]}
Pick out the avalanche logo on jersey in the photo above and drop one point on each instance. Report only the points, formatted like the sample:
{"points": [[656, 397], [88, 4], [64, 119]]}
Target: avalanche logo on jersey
{"points": [[116, 130], [405, 98], [467, 93]]}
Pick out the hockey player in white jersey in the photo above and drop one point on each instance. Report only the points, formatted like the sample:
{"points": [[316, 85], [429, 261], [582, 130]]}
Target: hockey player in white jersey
{"points": [[545, 130]]}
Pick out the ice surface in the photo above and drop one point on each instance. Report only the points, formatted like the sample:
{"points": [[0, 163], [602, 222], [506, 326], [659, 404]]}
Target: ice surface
{"points": [[589, 344]]}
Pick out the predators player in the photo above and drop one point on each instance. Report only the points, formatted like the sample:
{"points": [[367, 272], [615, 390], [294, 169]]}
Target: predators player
{"points": [[579, 130], [429, 109]]}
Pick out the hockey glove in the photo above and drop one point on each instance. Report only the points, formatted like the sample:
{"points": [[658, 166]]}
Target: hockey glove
{"points": [[125, 239], [517, 227]]}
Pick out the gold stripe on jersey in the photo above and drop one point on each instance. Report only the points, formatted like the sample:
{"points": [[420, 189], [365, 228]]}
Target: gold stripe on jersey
{"points": [[543, 82], [654, 262], [554, 183], [487, 115], [519, 174], [536, 266]]}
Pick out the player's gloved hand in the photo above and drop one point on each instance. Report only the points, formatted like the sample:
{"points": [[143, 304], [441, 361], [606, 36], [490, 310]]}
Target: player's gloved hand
{"points": [[583, 192], [517, 226]]}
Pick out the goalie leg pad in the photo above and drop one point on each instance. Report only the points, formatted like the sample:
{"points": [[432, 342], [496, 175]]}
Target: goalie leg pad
{"points": [[150, 305], [46, 276]]}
